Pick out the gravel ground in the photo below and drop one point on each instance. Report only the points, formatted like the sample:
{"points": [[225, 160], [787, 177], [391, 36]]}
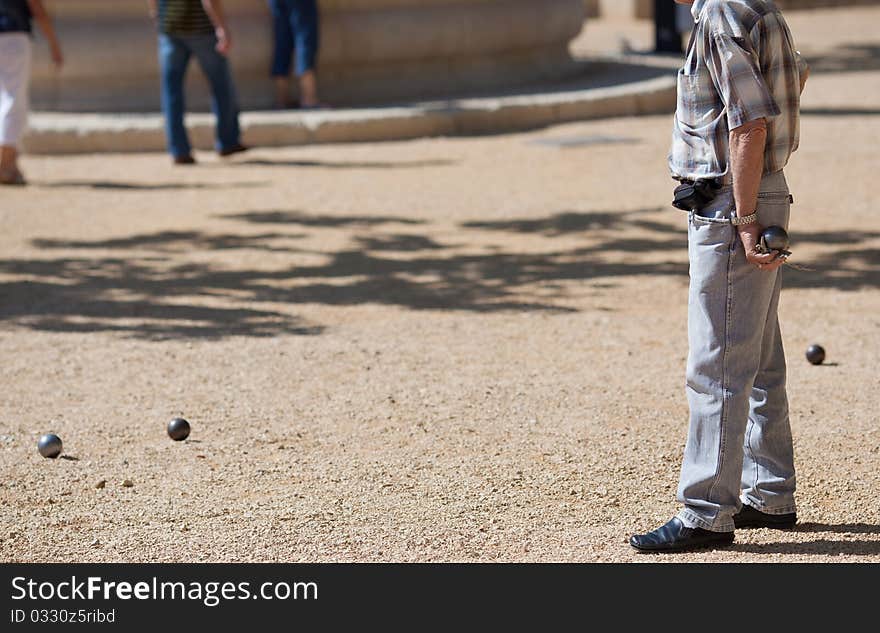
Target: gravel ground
{"points": [[465, 349]]}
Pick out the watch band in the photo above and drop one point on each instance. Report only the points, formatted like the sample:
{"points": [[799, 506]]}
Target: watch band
{"points": [[746, 219]]}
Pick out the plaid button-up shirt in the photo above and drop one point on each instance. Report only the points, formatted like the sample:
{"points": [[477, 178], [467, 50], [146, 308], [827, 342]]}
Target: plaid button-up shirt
{"points": [[741, 65]]}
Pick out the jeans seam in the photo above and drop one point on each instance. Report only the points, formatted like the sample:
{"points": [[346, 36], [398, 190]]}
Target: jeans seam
{"points": [[751, 427], [724, 378]]}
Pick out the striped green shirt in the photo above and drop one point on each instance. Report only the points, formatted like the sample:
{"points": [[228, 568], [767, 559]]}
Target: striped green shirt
{"points": [[183, 17], [741, 65]]}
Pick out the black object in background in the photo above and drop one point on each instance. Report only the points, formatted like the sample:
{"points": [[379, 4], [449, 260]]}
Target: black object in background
{"points": [[666, 36]]}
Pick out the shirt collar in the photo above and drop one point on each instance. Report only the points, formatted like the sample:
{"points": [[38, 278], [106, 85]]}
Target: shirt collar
{"points": [[696, 8]]}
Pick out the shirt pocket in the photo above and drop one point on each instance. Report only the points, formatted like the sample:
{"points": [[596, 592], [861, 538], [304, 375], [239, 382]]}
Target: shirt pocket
{"points": [[694, 106]]}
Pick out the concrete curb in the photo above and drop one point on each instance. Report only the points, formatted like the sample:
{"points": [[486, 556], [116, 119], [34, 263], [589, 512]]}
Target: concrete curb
{"points": [[66, 133]]}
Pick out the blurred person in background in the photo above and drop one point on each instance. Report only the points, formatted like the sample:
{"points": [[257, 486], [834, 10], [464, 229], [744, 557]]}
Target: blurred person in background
{"points": [[667, 36], [15, 64], [296, 29], [671, 23], [196, 28]]}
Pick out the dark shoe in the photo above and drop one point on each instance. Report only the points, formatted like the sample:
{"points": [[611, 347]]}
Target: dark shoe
{"points": [[675, 537], [235, 149], [12, 177], [750, 517], [184, 160]]}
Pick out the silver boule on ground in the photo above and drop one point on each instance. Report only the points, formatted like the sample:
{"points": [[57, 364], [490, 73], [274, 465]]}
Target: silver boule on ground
{"points": [[50, 445], [178, 429]]}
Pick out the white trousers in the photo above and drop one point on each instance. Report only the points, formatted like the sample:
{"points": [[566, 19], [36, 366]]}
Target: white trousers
{"points": [[15, 70]]}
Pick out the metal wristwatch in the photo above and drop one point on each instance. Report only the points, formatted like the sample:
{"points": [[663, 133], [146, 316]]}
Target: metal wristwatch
{"points": [[746, 219]]}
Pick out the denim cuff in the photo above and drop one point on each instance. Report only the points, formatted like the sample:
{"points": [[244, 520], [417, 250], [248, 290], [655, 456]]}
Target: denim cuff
{"points": [[786, 509], [693, 520]]}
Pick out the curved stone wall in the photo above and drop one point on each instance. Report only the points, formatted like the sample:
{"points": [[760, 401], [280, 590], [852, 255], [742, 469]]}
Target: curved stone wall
{"points": [[373, 51]]}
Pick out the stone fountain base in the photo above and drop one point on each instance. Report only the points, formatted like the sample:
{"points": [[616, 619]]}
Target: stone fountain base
{"points": [[373, 51]]}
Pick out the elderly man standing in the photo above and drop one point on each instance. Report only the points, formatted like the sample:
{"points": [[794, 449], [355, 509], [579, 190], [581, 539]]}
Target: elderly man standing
{"points": [[736, 125]]}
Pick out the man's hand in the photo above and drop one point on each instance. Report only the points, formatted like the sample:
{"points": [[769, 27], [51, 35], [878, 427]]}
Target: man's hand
{"points": [[224, 41], [750, 235], [214, 9], [57, 55], [38, 11]]}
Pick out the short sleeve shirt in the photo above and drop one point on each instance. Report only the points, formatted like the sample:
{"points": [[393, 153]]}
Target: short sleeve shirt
{"points": [[184, 17], [15, 16], [741, 65]]}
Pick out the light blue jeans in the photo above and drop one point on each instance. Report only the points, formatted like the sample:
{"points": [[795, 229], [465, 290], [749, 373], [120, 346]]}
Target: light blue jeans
{"points": [[739, 447]]}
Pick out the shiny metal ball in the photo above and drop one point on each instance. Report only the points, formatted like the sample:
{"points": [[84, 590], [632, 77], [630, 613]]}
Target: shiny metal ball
{"points": [[775, 238], [816, 354], [178, 429], [49, 446]]}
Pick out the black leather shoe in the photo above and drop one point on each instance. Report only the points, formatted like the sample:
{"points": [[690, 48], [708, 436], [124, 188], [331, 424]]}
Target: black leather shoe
{"points": [[235, 149], [750, 517], [675, 537]]}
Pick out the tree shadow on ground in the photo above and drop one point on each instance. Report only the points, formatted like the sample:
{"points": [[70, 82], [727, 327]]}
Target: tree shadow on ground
{"points": [[416, 164], [169, 285], [321, 221], [91, 298], [571, 222], [842, 528], [822, 546], [566, 142], [819, 547], [836, 112], [845, 269], [145, 186], [857, 57], [837, 237], [178, 241], [398, 243]]}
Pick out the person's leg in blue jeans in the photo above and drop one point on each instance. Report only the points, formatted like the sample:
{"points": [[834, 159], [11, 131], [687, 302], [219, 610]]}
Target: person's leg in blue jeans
{"points": [[296, 26], [304, 22], [223, 99], [282, 25], [173, 60]]}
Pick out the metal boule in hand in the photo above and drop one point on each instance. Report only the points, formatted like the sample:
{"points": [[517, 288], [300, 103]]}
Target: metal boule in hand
{"points": [[775, 238]]}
